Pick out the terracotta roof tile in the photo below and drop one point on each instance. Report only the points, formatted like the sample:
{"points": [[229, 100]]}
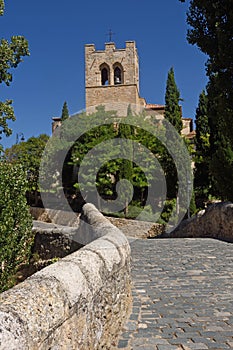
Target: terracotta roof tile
{"points": [[154, 106]]}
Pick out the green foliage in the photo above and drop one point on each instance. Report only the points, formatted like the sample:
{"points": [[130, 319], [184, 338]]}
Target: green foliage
{"points": [[126, 166], [202, 176], [210, 24], [77, 150], [129, 111], [220, 111], [173, 115], [65, 112], [28, 154], [172, 99], [167, 210], [2, 6], [202, 125], [96, 161], [11, 54], [6, 113], [86, 143], [134, 210], [192, 206], [212, 31], [15, 223]]}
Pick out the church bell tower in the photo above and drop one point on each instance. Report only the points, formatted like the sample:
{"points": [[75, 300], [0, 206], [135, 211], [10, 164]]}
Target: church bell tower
{"points": [[112, 77]]}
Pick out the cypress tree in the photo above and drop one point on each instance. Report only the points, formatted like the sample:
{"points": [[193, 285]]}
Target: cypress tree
{"points": [[211, 30], [172, 98], [65, 112], [129, 111], [220, 111], [126, 166], [173, 115], [202, 177]]}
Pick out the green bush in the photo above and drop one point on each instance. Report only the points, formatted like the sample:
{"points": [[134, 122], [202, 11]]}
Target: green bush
{"points": [[15, 223]]}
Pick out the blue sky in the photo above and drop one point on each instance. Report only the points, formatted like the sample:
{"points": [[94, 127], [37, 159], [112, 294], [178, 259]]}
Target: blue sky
{"points": [[57, 31]]}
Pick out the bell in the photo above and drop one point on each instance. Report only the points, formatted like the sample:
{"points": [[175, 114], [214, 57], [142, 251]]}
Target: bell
{"points": [[117, 80]]}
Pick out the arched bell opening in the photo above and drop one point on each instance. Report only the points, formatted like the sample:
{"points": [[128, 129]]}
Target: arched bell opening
{"points": [[118, 74], [105, 75]]}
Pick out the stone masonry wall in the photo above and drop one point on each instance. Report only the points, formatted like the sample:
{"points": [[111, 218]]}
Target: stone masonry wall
{"points": [[131, 228], [127, 92], [127, 57], [54, 241], [137, 229], [116, 97], [59, 217], [80, 302], [214, 222]]}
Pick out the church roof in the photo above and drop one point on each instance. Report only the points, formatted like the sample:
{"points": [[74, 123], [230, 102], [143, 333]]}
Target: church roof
{"points": [[154, 106]]}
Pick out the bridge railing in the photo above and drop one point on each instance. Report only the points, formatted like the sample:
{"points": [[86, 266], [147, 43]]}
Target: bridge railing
{"points": [[79, 302]]}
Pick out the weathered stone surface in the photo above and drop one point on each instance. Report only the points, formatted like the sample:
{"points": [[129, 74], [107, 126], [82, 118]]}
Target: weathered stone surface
{"points": [[119, 96], [11, 330], [214, 222], [136, 228], [39, 305], [182, 295], [59, 217], [52, 240], [79, 302], [85, 234]]}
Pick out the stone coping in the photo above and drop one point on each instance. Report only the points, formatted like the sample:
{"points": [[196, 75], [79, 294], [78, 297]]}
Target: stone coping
{"points": [[79, 302], [214, 222]]}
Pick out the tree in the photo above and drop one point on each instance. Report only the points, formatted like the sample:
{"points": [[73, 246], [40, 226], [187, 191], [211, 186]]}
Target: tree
{"points": [[16, 235], [202, 176], [102, 149], [126, 165], [173, 115], [202, 126], [11, 54], [65, 112], [28, 154], [212, 31], [220, 111], [129, 111], [172, 99]]}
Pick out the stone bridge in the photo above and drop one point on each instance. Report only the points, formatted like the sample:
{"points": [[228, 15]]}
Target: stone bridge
{"points": [[182, 293], [183, 286]]}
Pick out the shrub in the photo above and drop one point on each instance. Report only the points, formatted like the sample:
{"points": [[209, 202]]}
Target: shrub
{"points": [[167, 211], [15, 223]]}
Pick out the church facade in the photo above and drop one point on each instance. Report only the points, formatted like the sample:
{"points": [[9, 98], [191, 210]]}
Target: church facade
{"points": [[112, 80]]}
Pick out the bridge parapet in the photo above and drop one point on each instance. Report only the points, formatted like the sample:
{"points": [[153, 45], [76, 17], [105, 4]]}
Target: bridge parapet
{"points": [[79, 302]]}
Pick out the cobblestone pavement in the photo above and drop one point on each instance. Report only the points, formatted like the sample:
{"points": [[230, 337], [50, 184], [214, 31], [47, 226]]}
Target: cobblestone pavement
{"points": [[182, 295]]}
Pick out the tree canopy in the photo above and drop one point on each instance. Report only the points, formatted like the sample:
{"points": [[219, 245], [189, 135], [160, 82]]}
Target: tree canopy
{"points": [[28, 154], [65, 112], [202, 174], [172, 99], [212, 31], [16, 236], [11, 53]]}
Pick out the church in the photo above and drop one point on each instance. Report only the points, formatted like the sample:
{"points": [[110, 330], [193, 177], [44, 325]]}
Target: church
{"points": [[112, 80]]}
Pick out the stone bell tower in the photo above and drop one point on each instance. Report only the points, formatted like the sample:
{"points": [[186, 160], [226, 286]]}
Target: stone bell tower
{"points": [[112, 77]]}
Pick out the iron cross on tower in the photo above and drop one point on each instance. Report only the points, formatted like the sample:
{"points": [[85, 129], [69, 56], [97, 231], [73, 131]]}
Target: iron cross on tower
{"points": [[110, 34]]}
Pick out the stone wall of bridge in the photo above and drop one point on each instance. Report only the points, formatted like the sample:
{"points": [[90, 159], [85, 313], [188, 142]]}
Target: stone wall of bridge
{"points": [[214, 222], [79, 302]]}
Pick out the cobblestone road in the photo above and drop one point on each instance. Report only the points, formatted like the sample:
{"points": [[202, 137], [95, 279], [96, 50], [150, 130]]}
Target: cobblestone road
{"points": [[182, 295]]}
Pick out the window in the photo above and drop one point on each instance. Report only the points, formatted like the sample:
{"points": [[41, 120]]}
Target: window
{"points": [[104, 75], [117, 76]]}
